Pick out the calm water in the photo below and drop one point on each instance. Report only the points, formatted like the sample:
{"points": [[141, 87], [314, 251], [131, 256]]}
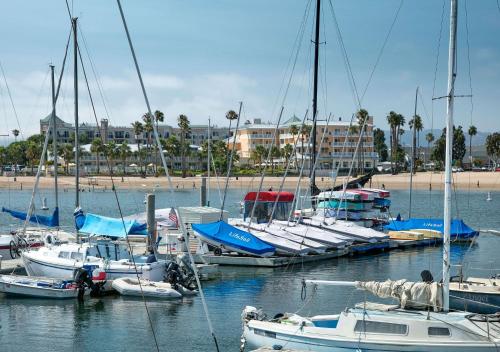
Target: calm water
{"points": [[114, 323]]}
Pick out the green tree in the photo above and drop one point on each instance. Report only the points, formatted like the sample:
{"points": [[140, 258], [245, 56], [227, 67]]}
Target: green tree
{"points": [[471, 132], [172, 148], [287, 152], [159, 117], [68, 154], [396, 122], [124, 153], [294, 131], [305, 131], [112, 153], [184, 125], [379, 144], [275, 153], [138, 129], [148, 129], [429, 137], [416, 123], [362, 119], [493, 147], [15, 132], [97, 147], [458, 149], [33, 154]]}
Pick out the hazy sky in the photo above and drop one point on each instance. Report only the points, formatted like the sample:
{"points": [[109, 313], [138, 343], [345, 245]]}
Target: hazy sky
{"points": [[200, 58]]}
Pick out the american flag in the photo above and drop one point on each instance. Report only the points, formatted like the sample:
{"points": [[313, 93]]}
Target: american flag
{"points": [[172, 216]]}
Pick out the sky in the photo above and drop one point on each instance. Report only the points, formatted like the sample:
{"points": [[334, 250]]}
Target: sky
{"points": [[201, 58]]}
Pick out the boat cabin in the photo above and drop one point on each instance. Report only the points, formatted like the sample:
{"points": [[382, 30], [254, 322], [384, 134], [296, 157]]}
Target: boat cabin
{"points": [[264, 205]]}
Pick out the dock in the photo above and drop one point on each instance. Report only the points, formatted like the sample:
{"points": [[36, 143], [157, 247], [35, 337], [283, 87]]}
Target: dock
{"points": [[269, 262]]}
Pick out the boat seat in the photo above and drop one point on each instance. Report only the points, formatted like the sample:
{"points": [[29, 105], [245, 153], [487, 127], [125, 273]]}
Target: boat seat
{"points": [[376, 306]]}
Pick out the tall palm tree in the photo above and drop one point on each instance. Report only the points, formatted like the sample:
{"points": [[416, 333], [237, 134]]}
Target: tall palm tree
{"points": [[67, 153], [172, 147], [111, 150], [124, 152], [294, 131], [396, 122], [231, 115], [305, 131], [183, 123], [416, 123], [15, 132], [97, 147], [159, 117], [148, 129], [472, 132], [138, 129], [362, 119], [429, 137]]}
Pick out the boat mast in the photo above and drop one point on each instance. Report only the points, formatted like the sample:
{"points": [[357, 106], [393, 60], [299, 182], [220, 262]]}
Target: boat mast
{"points": [[312, 173], [412, 162], [208, 163], [77, 135], [449, 156], [54, 135]]}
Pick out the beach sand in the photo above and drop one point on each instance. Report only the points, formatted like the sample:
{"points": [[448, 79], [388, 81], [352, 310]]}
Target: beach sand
{"points": [[475, 181]]}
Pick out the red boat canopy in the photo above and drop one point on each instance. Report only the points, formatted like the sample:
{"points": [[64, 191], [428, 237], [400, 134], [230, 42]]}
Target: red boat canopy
{"points": [[270, 196]]}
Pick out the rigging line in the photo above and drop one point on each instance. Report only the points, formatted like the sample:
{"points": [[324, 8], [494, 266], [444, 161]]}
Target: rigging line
{"points": [[171, 188], [11, 100], [117, 200], [345, 57], [95, 72], [382, 50], [438, 49], [294, 52]]}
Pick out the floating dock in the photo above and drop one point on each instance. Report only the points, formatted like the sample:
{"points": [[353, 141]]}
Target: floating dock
{"points": [[270, 262]]}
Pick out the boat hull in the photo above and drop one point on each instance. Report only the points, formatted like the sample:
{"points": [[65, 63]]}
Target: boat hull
{"points": [[18, 289], [475, 302], [34, 267]]}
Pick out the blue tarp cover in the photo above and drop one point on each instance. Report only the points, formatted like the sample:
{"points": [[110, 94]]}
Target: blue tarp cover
{"points": [[111, 227], [231, 236], [458, 228], [46, 220]]}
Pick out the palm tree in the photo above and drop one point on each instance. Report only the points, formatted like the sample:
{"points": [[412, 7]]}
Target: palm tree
{"points": [[124, 153], [472, 132], [231, 115], [287, 152], [294, 131], [183, 123], [396, 122], [305, 131], [362, 118], [159, 117], [111, 151], [33, 154], [429, 137], [67, 153], [172, 147], [148, 128], [15, 132], [97, 147], [138, 129], [260, 153], [416, 123]]}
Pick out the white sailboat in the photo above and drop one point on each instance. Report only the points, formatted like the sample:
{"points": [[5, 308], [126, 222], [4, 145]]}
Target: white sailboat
{"points": [[378, 327]]}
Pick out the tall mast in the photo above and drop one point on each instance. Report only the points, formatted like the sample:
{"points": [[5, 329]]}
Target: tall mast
{"points": [[412, 162], [449, 156], [312, 172], [75, 82], [208, 163], [54, 135]]}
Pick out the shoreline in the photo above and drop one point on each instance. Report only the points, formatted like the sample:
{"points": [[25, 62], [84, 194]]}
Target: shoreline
{"points": [[473, 181]]}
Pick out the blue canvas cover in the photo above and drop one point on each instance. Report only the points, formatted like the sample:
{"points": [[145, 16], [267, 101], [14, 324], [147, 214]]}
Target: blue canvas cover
{"points": [[46, 220], [231, 236], [110, 227], [459, 230]]}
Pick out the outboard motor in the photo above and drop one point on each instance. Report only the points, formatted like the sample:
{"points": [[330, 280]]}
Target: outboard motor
{"points": [[83, 280]]}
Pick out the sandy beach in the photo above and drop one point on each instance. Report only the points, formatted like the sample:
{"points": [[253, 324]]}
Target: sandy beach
{"points": [[475, 181]]}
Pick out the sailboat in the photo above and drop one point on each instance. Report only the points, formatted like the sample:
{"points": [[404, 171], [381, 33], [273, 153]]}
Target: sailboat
{"points": [[421, 321]]}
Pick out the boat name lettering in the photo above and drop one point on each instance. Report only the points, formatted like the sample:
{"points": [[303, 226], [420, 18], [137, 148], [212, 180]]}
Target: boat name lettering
{"points": [[239, 237]]}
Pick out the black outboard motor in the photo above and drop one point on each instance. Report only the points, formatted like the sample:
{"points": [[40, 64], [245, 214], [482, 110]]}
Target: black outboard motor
{"points": [[84, 280], [427, 277], [173, 275]]}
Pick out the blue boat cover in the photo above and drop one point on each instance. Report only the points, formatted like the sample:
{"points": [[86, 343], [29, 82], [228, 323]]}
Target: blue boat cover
{"points": [[459, 230], [46, 220], [110, 227], [231, 236]]}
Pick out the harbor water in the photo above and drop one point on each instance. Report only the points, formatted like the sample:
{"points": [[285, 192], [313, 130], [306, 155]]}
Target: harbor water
{"points": [[114, 323]]}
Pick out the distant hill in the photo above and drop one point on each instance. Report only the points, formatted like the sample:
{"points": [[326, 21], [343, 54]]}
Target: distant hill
{"points": [[478, 139]]}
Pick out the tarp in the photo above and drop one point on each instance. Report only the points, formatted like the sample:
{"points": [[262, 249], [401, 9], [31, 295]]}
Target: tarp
{"points": [[416, 295], [459, 230], [230, 236], [270, 196], [46, 220], [109, 227]]}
